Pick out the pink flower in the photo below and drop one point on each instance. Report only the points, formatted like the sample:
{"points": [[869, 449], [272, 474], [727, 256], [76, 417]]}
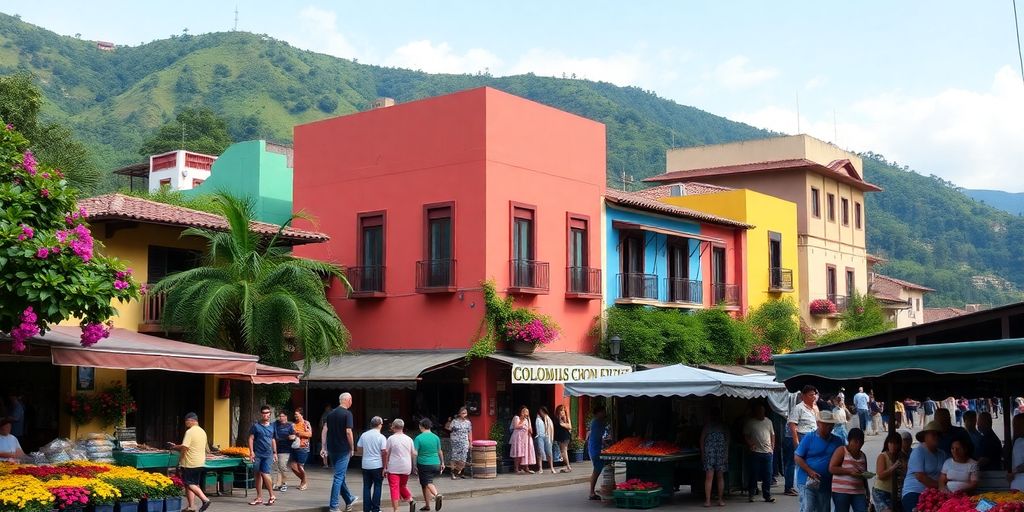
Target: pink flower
{"points": [[62, 235], [42, 253], [10, 126], [93, 333], [26, 233], [44, 192], [120, 285], [28, 162], [143, 289], [25, 330]]}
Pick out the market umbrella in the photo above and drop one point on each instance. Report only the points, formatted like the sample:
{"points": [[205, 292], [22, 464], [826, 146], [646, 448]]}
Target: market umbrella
{"points": [[680, 380]]}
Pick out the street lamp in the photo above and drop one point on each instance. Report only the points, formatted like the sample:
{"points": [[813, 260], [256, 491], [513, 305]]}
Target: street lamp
{"points": [[614, 345]]}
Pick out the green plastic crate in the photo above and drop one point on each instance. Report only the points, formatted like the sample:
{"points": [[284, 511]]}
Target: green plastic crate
{"points": [[210, 483], [227, 482], [637, 499]]}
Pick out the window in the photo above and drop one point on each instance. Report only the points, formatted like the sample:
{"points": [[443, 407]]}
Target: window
{"points": [[856, 215], [370, 272], [845, 211], [917, 305], [815, 203], [164, 261], [831, 207], [438, 269], [680, 287], [633, 281], [851, 284], [580, 280], [830, 282], [165, 182], [196, 182], [718, 270], [523, 250]]}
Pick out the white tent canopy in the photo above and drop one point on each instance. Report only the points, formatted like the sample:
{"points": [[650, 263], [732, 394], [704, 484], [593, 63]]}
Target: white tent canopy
{"points": [[681, 380]]}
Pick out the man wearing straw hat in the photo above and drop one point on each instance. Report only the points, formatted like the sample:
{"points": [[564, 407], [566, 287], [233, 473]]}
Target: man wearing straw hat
{"points": [[813, 480], [925, 465]]}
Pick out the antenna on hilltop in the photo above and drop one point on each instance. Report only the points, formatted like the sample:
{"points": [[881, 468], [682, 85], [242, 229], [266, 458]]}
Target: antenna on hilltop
{"points": [[798, 112], [625, 180], [182, 135], [236, 19]]}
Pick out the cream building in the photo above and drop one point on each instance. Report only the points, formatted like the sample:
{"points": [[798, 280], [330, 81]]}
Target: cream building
{"points": [[827, 185]]}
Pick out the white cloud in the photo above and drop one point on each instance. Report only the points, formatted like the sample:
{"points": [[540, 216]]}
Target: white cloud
{"points": [[618, 68], [736, 73], [441, 58], [815, 82], [972, 138], [318, 31]]}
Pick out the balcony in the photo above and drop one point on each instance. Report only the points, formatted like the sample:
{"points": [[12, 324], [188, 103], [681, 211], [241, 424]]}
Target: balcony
{"points": [[435, 276], [582, 283], [153, 313], [831, 306], [841, 302], [529, 277], [637, 288], [367, 282], [780, 280], [684, 291], [726, 294]]}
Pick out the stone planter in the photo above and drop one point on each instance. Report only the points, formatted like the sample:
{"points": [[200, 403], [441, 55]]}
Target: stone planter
{"points": [[172, 504], [127, 506], [519, 347]]}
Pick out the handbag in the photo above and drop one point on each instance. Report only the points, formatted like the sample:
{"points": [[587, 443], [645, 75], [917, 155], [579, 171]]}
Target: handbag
{"points": [[297, 443]]}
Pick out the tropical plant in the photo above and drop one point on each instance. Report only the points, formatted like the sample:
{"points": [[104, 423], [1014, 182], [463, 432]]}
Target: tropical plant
{"points": [[775, 323], [253, 296], [48, 269]]}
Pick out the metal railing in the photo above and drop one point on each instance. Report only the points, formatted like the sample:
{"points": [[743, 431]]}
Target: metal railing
{"points": [[841, 301], [726, 294], [780, 279], [690, 291], [583, 280], [529, 275], [153, 307], [435, 274], [638, 286], [366, 280]]}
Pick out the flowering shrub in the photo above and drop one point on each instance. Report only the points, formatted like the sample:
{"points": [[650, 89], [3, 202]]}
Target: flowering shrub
{"points": [[762, 354], [635, 484], [24, 493], [822, 307], [48, 268], [61, 471], [535, 331]]}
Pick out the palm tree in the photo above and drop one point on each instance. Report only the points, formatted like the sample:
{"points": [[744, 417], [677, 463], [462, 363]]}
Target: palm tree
{"points": [[253, 296]]}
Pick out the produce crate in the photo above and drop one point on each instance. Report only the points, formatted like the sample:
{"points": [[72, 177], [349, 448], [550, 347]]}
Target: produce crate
{"points": [[146, 460], [210, 483], [637, 499], [227, 483], [226, 463]]}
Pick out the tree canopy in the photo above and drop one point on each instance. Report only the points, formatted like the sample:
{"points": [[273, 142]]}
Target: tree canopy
{"points": [[193, 129]]}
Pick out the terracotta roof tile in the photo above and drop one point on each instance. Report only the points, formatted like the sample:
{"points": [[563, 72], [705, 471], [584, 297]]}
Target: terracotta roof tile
{"points": [[689, 189], [124, 207], [936, 314], [841, 170], [903, 284], [633, 200]]}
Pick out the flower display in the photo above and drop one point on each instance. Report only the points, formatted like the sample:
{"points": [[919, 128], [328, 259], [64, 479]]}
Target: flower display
{"points": [[822, 307], [635, 484], [534, 331], [762, 354], [24, 493], [69, 497], [640, 446], [235, 451], [61, 471], [113, 403]]}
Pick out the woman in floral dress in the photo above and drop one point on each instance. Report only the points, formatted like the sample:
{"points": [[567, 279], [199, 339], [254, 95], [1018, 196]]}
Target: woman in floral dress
{"points": [[714, 455], [461, 430], [522, 452]]}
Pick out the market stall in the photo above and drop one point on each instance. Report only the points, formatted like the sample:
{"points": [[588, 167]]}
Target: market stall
{"points": [[660, 413]]}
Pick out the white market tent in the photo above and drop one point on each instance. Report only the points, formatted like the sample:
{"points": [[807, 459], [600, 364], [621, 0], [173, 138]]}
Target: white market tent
{"points": [[680, 380]]}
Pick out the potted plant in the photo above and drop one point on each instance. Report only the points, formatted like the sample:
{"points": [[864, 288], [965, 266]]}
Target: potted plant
{"points": [[498, 434], [132, 492], [102, 495], [173, 493], [70, 497], [526, 333], [822, 307], [576, 449]]}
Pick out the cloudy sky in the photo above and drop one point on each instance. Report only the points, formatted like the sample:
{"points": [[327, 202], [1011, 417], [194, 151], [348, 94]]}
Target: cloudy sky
{"points": [[934, 85]]}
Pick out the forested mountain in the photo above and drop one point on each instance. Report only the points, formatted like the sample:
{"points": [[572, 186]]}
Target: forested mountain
{"points": [[931, 232], [1012, 202]]}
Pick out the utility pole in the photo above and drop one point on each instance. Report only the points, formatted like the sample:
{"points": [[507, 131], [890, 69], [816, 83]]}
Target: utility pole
{"points": [[625, 180], [236, 19]]}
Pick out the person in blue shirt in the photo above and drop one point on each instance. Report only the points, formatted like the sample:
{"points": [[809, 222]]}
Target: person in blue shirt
{"points": [[595, 437], [925, 465], [263, 454], [813, 480], [860, 403]]}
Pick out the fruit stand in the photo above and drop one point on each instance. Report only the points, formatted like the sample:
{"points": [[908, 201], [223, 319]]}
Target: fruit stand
{"points": [[653, 461]]}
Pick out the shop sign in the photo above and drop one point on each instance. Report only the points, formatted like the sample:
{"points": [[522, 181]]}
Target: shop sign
{"points": [[559, 374]]}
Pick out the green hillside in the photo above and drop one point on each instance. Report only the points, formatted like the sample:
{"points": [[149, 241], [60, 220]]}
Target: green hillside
{"points": [[932, 233]]}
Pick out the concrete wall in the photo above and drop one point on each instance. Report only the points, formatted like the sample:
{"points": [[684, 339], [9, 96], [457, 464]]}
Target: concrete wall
{"points": [[248, 170]]}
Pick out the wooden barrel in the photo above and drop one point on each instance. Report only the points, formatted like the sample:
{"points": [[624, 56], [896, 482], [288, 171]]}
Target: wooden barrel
{"points": [[485, 462]]}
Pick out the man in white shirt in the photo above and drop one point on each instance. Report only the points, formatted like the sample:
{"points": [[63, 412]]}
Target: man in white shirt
{"points": [[373, 447], [860, 402], [10, 448], [803, 420]]}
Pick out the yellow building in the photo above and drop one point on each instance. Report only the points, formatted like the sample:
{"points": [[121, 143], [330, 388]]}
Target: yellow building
{"points": [[827, 186], [168, 378], [771, 261]]}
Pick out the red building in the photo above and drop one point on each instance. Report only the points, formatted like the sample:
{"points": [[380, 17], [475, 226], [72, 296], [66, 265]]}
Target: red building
{"points": [[425, 201]]}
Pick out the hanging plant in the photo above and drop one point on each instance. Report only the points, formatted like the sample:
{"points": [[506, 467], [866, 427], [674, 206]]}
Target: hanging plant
{"points": [[80, 408], [505, 322], [112, 404]]}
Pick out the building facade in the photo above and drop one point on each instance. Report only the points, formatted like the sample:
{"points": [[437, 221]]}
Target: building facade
{"points": [[255, 170], [424, 202], [827, 186]]}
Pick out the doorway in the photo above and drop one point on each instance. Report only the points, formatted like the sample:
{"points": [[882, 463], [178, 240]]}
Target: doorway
{"points": [[163, 399]]}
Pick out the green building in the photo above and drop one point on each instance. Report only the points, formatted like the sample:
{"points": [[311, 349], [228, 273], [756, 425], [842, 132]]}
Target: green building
{"points": [[257, 170]]}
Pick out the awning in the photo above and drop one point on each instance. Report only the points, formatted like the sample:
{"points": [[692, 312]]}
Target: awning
{"points": [[380, 369], [618, 224], [129, 350], [266, 374], [558, 367], [966, 358], [679, 380]]}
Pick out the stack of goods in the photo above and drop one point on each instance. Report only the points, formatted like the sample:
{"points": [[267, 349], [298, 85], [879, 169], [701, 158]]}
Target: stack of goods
{"points": [[58, 451], [636, 493], [98, 448], [934, 500], [640, 446], [235, 451]]}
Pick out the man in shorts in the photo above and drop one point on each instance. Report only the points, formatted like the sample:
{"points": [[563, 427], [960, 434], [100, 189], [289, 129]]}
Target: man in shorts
{"points": [[193, 457], [263, 454]]}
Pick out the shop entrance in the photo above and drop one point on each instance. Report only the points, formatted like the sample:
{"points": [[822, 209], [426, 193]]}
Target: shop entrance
{"points": [[38, 384], [532, 396], [163, 399], [440, 395]]}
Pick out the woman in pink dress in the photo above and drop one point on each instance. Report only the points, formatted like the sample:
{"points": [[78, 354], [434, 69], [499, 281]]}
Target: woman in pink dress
{"points": [[522, 452]]}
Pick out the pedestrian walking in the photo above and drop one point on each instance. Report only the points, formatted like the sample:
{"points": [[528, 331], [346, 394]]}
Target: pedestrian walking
{"points": [[802, 421], [595, 436], [193, 457], [563, 434], [813, 457], [300, 447], [373, 447], [928, 407], [336, 438], [263, 455], [848, 465], [860, 405], [398, 461], [714, 454], [887, 466], [461, 437], [429, 464], [841, 416], [522, 451], [284, 434], [544, 428], [759, 433]]}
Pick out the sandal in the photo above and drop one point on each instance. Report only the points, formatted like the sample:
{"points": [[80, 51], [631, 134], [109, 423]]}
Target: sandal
{"points": [[271, 500], [303, 487], [257, 501], [594, 497]]}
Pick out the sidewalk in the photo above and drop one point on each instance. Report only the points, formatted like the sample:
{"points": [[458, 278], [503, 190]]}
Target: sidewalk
{"points": [[314, 499]]}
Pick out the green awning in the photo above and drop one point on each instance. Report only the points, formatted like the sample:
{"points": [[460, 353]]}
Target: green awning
{"points": [[967, 358]]}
